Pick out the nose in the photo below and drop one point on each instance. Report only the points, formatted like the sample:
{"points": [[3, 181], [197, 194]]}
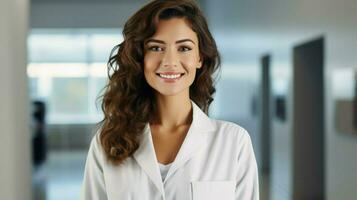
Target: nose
{"points": [[170, 58]]}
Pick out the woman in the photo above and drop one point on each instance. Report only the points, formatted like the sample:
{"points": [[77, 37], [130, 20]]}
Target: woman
{"points": [[156, 141]]}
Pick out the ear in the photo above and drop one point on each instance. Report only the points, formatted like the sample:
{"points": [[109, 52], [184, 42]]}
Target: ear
{"points": [[199, 65]]}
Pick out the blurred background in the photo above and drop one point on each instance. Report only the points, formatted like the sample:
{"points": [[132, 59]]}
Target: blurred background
{"points": [[289, 76]]}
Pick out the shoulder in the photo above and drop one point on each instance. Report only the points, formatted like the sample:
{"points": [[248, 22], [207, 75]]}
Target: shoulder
{"points": [[229, 129], [230, 134], [95, 147], [95, 140], [231, 139]]}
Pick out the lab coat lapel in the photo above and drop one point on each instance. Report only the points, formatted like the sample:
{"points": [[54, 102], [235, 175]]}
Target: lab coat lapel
{"points": [[146, 158], [195, 140]]}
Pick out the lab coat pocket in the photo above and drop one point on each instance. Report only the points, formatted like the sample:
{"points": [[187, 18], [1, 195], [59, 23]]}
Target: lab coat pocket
{"points": [[213, 190]]}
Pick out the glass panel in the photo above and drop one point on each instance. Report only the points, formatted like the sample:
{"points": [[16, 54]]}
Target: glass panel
{"points": [[33, 84], [101, 46], [69, 96], [57, 48], [99, 90], [68, 69]]}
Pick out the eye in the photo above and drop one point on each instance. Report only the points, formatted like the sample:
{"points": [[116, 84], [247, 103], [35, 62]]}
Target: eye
{"points": [[155, 48], [184, 48]]}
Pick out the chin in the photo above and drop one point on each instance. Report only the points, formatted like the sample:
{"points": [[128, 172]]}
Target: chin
{"points": [[170, 92]]}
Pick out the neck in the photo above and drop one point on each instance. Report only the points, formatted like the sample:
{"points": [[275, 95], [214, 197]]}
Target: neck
{"points": [[173, 111]]}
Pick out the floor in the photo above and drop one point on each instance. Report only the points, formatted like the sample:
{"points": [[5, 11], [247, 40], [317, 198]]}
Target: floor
{"points": [[61, 177], [264, 187]]}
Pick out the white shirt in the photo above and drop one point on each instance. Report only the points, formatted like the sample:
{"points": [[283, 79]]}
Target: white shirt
{"points": [[215, 162], [164, 169]]}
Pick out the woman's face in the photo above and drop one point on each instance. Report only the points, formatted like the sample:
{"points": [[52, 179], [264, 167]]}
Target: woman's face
{"points": [[171, 57]]}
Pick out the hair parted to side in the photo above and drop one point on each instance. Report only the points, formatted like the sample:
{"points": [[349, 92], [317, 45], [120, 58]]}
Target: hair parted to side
{"points": [[128, 100]]}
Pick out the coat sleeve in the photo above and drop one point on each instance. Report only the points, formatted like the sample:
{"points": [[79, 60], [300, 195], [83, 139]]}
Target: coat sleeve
{"points": [[247, 187], [93, 186]]}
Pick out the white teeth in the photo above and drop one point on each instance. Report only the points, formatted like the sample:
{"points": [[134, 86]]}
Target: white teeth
{"points": [[170, 76]]}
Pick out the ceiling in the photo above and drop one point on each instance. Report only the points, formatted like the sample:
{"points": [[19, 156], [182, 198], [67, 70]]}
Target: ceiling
{"points": [[87, 1]]}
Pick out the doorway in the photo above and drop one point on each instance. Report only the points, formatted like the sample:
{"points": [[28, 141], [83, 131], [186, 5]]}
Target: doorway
{"points": [[308, 120], [265, 125]]}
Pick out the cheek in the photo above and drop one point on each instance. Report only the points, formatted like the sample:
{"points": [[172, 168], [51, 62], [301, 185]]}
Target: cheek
{"points": [[189, 59], [149, 62]]}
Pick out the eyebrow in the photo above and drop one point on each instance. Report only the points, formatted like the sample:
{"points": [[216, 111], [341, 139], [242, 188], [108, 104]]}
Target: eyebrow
{"points": [[162, 42]]}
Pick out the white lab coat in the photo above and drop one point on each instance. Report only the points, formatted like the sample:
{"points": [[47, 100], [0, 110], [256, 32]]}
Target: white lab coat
{"points": [[215, 162]]}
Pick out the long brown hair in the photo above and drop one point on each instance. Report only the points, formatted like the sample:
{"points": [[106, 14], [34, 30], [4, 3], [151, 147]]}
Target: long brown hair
{"points": [[128, 100]]}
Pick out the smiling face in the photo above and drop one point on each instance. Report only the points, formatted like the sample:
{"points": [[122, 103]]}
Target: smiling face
{"points": [[171, 57]]}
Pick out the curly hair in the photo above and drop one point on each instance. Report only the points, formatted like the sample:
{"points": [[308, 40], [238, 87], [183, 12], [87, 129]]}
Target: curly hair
{"points": [[128, 100]]}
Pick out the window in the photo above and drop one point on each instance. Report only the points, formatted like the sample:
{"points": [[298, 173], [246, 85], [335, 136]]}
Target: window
{"points": [[68, 69]]}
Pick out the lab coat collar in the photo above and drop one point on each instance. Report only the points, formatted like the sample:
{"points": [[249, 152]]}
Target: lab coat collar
{"points": [[194, 141]]}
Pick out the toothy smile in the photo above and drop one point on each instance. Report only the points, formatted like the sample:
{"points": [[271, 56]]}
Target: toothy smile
{"points": [[170, 75]]}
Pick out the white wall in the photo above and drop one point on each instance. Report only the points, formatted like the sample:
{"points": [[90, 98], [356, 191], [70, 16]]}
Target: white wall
{"points": [[15, 154]]}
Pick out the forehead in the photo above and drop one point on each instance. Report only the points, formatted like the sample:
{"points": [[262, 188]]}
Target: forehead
{"points": [[174, 29]]}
